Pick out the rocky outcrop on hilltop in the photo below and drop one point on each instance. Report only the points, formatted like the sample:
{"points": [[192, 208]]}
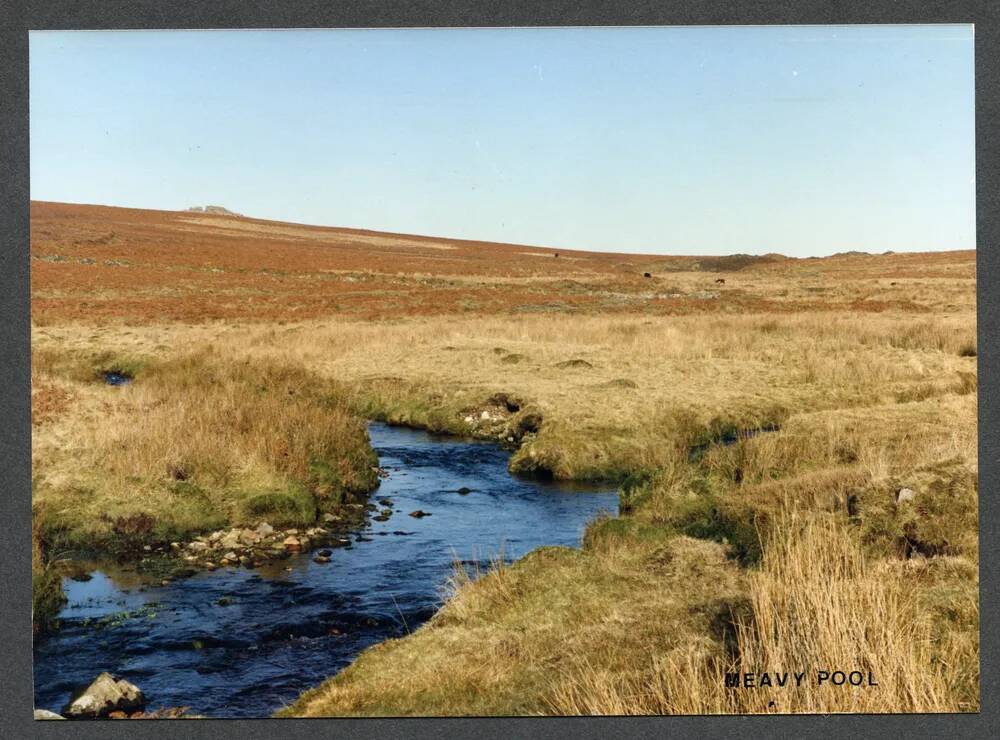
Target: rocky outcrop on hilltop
{"points": [[214, 210]]}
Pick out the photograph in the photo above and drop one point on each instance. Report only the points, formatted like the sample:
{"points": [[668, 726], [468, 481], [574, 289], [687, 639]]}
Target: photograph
{"points": [[492, 372]]}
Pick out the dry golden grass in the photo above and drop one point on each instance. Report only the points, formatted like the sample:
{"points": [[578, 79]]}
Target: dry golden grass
{"points": [[744, 370], [817, 603], [195, 442]]}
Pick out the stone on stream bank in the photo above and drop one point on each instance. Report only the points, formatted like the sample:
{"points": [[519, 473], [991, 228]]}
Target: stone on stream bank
{"points": [[105, 695], [242, 546], [46, 714], [503, 417]]}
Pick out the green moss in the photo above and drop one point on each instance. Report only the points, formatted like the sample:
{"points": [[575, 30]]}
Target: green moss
{"points": [[635, 490], [608, 531], [295, 506], [326, 481], [739, 528], [700, 505]]}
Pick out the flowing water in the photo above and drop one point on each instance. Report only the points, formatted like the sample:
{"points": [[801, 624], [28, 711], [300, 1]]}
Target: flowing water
{"points": [[243, 643]]}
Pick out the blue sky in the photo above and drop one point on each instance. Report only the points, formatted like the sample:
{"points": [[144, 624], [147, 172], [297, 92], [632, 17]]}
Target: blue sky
{"points": [[801, 140]]}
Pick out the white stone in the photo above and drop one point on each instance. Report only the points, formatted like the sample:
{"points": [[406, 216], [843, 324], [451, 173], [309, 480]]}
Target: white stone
{"points": [[249, 537], [106, 694]]}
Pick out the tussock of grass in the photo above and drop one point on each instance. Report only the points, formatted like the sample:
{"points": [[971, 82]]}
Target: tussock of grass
{"points": [[47, 597], [294, 506], [195, 443], [850, 610], [395, 401], [89, 366], [941, 519]]}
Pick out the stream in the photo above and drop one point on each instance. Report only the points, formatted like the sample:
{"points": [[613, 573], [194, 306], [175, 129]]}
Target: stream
{"points": [[241, 642]]}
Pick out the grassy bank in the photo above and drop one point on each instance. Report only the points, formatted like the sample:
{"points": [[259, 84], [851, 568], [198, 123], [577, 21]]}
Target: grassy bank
{"points": [[194, 442]]}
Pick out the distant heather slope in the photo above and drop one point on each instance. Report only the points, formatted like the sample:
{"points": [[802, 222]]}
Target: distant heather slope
{"points": [[103, 263]]}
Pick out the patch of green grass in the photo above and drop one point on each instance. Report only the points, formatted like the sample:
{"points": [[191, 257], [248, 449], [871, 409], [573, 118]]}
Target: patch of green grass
{"points": [[393, 402], [710, 518], [941, 517], [512, 359], [296, 506], [607, 532], [635, 490]]}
